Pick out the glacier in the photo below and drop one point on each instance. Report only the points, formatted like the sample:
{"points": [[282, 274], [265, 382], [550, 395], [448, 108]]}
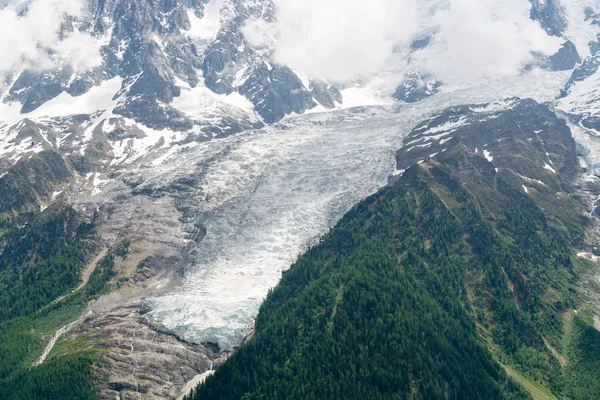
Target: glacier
{"points": [[267, 195]]}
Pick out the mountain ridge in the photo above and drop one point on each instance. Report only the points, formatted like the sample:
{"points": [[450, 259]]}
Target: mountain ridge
{"points": [[516, 278], [206, 168]]}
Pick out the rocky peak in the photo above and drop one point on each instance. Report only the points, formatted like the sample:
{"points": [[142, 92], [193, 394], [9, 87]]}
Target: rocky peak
{"points": [[158, 47], [551, 14], [524, 140]]}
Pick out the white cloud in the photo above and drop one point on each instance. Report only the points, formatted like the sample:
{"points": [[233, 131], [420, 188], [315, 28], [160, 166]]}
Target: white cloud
{"points": [[482, 39], [340, 40], [31, 40], [336, 39]]}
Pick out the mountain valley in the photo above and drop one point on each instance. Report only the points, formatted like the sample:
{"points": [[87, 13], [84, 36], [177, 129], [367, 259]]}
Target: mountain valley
{"points": [[190, 204]]}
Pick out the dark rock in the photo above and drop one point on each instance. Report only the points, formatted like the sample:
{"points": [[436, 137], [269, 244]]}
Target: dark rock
{"points": [[420, 43], [550, 14], [592, 16], [121, 386], [154, 114], [147, 45], [416, 87], [276, 91], [30, 179], [566, 57], [327, 95], [525, 130]]}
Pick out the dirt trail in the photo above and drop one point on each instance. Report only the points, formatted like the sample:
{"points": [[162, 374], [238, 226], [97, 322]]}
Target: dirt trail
{"points": [[86, 274], [85, 277], [57, 335]]}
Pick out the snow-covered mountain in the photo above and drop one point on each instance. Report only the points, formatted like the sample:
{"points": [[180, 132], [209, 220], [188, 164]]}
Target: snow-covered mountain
{"points": [[167, 56], [191, 70], [162, 61], [189, 128]]}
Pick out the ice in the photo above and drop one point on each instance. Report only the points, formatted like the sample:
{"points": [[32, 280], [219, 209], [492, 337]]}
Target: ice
{"points": [[580, 32], [549, 168], [207, 27], [588, 144], [364, 96], [488, 156], [97, 98], [583, 98], [265, 196], [270, 197], [198, 102]]}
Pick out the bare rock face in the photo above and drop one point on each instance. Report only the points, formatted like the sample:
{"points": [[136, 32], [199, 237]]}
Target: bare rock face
{"points": [[566, 57], [137, 360], [154, 48], [416, 87], [550, 14], [145, 361]]}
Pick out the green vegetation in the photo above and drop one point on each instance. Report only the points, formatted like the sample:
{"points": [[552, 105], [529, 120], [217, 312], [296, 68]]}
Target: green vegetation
{"points": [[29, 179], [64, 377], [97, 285], [415, 294], [537, 391], [17, 344], [40, 262], [583, 369], [68, 376]]}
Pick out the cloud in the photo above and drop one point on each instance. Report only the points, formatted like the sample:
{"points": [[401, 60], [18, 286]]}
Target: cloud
{"points": [[32, 40], [335, 39], [482, 39], [341, 40]]}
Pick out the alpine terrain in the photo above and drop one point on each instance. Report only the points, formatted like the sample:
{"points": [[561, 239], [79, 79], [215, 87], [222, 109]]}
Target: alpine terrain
{"points": [[284, 199]]}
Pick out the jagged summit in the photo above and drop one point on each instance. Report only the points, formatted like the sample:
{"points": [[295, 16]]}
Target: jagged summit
{"points": [[163, 51], [169, 58]]}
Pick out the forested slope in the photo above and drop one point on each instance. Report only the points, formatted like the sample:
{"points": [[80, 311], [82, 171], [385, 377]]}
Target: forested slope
{"points": [[39, 262], [427, 288]]}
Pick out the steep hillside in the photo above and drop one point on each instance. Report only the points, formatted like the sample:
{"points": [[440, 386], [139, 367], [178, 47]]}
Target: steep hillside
{"points": [[163, 162], [427, 288]]}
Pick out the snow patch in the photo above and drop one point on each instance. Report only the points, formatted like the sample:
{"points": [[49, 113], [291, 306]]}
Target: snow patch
{"points": [[549, 168], [447, 127], [588, 256], [55, 195], [579, 31], [583, 97], [496, 106], [200, 102], [97, 98], [531, 180], [207, 27], [488, 156]]}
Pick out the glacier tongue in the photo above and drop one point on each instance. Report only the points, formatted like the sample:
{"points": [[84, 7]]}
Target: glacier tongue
{"points": [[267, 195], [301, 182]]}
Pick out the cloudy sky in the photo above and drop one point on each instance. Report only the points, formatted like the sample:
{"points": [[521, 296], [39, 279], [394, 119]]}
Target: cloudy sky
{"points": [[345, 39], [338, 40], [27, 41]]}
